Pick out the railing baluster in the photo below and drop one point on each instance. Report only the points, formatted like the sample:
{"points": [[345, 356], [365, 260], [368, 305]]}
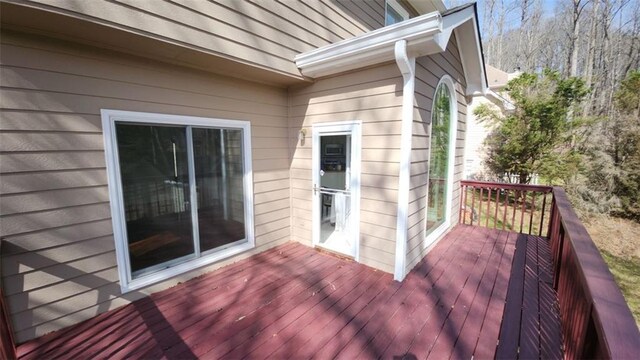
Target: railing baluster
{"points": [[486, 223], [460, 213], [473, 202], [498, 195], [524, 201], [480, 208], [506, 206], [466, 196], [544, 203], [495, 216], [515, 206], [533, 210]]}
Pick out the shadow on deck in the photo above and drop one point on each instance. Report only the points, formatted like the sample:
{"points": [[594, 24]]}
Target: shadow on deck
{"points": [[479, 293]]}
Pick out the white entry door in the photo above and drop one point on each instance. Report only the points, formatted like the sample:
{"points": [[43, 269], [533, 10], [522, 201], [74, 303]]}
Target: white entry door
{"points": [[336, 187]]}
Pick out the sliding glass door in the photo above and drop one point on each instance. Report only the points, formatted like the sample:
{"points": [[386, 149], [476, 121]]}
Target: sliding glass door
{"points": [[155, 162], [155, 188], [182, 189]]}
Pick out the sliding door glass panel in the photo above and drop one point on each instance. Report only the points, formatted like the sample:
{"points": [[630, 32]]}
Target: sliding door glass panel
{"points": [[439, 159], [219, 183], [155, 188]]}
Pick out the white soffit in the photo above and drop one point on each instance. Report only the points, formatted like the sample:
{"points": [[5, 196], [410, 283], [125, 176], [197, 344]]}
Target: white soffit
{"points": [[425, 35], [427, 6]]}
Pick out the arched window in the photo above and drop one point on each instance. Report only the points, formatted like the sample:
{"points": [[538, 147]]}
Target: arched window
{"points": [[441, 156]]}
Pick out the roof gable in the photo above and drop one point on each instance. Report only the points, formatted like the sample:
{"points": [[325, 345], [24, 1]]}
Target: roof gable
{"points": [[425, 35]]}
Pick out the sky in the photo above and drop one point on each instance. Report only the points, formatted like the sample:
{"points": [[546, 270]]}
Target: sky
{"points": [[623, 18], [513, 20]]}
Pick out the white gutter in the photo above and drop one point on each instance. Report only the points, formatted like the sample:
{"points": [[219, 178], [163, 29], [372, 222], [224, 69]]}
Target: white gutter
{"points": [[407, 66], [424, 35], [374, 47]]}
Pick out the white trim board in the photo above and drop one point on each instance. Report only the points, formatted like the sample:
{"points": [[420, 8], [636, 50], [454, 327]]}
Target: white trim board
{"points": [[339, 128], [127, 283], [395, 5], [440, 230]]}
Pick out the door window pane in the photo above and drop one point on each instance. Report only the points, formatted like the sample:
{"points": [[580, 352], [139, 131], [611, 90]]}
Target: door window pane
{"points": [[335, 193], [439, 158], [219, 183], [155, 187]]}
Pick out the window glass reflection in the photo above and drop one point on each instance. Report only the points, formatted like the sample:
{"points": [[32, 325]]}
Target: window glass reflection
{"points": [[155, 186]]}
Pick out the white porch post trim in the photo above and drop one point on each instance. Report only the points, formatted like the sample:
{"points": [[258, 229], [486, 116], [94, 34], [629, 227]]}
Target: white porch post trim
{"points": [[407, 66]]}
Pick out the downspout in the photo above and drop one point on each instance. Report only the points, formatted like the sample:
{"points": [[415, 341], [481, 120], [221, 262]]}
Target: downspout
{"points": [[407, 67]]}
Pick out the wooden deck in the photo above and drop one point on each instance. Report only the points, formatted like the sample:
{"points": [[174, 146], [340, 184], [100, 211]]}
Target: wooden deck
{"points": [[295, 302]]}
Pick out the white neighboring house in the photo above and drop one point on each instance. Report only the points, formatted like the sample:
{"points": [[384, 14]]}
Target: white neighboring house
{"points": [[476, 131]]}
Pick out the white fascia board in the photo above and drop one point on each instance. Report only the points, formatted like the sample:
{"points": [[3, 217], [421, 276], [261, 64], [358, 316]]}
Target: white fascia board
{"points": [[479, 58], [503, 102], [451, 22], [373, 48], [464, 24]]}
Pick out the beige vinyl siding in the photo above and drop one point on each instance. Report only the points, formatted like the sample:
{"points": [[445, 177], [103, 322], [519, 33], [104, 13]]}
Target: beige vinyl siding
{"points": [[373, 96], [429, 71], [266, 34], [59, 264]]}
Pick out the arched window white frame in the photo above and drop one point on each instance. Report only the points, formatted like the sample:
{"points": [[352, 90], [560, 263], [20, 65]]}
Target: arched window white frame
{"points": [[431, 235]]}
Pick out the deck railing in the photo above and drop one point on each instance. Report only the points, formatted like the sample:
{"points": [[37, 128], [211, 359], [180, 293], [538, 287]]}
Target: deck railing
{"points": [[521, 208], [596, 321]]}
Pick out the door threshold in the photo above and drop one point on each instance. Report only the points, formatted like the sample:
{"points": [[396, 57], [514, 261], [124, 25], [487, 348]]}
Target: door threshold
{"points": [[329, 251]]}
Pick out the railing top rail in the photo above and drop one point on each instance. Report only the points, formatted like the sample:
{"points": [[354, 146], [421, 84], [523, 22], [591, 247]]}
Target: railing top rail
{"points": [[507, 186], [615, 324]]}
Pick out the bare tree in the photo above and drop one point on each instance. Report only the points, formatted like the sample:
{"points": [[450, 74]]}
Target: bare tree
{"points": [[577, 7]]}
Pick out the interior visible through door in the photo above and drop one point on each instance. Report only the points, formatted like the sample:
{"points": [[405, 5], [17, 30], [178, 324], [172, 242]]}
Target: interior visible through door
{"points": [[335, 193]]}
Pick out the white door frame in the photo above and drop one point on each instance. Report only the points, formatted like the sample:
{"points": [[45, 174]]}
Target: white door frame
{"points": [[354, 128]]}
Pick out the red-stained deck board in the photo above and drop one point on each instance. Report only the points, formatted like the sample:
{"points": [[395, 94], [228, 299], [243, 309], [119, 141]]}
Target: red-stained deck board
{"points": [[489, 331], [330, 290], [86, 334], [450, 335], [367, 341], [441, 278], [294, 343], [295, 302], [166, 322], [445, 291], [512, 316], [468, 337], [530, 328], [239, 332], [531, 312]]}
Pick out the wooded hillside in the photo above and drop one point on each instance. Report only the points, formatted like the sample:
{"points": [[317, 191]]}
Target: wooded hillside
{"points": [[597, 41]]}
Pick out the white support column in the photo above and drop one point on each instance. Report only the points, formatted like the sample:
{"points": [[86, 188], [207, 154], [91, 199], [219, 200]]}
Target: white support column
{"points": [[407, 66]]}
